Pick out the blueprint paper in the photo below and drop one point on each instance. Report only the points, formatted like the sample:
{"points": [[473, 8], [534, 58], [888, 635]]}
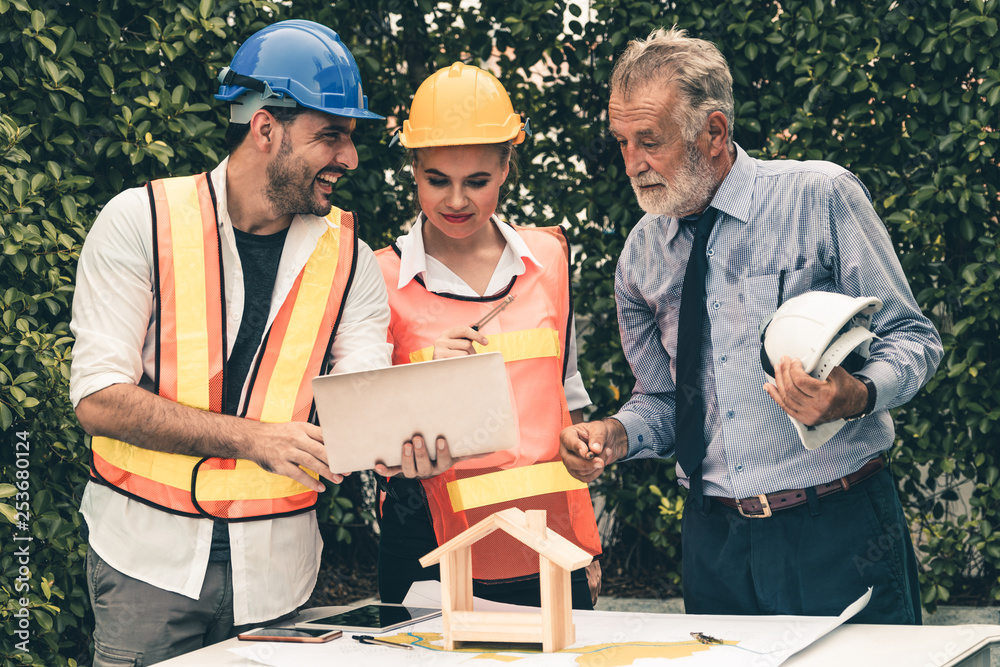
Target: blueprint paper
{"points": [[604, 639]]}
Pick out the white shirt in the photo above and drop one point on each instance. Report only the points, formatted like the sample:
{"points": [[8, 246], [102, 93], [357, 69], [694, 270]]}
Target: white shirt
{"points": [[414, 261], [274, 562]]}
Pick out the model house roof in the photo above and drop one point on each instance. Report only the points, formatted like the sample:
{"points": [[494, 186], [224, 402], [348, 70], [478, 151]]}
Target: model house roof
{"points": [[515, 523]]}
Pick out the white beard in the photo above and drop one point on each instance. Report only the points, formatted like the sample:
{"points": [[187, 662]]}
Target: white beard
{"points": [[691, 190]]}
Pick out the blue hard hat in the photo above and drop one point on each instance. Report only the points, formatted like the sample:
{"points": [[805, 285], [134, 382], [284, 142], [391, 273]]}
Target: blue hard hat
{"points": [[302, 60]]}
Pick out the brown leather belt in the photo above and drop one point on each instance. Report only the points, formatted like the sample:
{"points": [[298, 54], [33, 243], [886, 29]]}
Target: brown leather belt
{"points": [[762, 506]]}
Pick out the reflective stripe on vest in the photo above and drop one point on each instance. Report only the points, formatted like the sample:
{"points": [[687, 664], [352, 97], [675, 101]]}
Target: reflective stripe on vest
{"points": [[190, 363], [531, 334], [514, 345], [511, 484]]}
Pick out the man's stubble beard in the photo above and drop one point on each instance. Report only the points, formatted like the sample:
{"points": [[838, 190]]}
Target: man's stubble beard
{"points": [[283, 191]]}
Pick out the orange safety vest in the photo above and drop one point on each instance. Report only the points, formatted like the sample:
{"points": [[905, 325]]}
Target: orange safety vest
{"points": [[191, 360], [531, 333]]}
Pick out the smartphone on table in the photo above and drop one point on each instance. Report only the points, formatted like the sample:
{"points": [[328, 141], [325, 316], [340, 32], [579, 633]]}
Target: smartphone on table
{"points": [[304, 635]]}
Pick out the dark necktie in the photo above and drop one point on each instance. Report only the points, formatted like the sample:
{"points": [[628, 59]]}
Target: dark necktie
{"points": [[690, 433]]}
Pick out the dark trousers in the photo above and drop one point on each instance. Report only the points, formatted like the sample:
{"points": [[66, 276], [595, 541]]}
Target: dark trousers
{"points": [[406, 534], [137, 624], [812, 560]]}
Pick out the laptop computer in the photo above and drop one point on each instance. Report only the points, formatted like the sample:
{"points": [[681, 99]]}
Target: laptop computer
{"points": [[366, 416]]}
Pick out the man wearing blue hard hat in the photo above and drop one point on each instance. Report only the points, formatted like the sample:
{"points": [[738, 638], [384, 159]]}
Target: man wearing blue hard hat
{"points": [[204, 306]]}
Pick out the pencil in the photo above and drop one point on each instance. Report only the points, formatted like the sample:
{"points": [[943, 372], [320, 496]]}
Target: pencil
{"points": [[493, 313]]}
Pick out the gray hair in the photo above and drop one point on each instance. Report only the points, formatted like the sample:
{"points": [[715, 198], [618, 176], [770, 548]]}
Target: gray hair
{"points": [[699, 69]]}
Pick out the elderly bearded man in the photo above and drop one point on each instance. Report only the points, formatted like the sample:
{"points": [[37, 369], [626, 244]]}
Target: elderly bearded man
{"points": [[761, 231]]}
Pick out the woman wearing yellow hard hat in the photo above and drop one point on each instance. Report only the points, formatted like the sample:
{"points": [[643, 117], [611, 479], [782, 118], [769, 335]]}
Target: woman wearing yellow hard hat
{"points": [[458, 262]]}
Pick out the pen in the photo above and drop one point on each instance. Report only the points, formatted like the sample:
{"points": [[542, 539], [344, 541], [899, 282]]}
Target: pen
{"points": [[368, 639], [493, 313]]}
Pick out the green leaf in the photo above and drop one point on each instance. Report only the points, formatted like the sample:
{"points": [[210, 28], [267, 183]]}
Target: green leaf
{"points": [[966, 229], [7, 490], [9, 513], [27, 376], [37, 20], [959, 328], [993, 97], [6, 418], [20, 191], [108, 26], [77, 113], [44, 620], [69, 207], [968, 19], [66, 43], [106, 74], [205, 8], [187, 79], [46, 42], [20, 262]]}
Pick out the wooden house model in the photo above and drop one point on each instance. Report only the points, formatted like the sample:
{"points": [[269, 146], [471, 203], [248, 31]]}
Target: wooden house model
{"points": [[552, 628]]}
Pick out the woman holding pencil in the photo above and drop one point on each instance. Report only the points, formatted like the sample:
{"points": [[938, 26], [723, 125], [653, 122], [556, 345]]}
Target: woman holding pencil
{"points": [[460, 282]]}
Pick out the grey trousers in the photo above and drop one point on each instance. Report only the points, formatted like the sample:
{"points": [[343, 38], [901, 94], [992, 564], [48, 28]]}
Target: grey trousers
{"points": [[137, 624]]}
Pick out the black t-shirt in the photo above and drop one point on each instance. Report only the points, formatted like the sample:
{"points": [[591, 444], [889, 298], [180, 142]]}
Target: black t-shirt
{"points": [[259, 256]]}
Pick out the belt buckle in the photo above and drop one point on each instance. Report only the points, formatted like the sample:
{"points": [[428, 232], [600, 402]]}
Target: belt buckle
{"points": [[765, 506]]}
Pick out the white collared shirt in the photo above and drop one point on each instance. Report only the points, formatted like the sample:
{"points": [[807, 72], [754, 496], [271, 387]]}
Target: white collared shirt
{"points": [[414, 261], [274, 562]]}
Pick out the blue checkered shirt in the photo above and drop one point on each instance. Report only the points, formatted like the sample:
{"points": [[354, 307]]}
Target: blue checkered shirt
{"points": [[815, 222]]}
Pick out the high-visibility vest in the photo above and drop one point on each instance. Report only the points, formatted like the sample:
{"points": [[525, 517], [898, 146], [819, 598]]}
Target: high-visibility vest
{"points": [[531, 334], [191, 360]]}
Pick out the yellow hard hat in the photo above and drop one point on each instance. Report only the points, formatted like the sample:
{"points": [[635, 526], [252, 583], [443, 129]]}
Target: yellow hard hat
{"points": [[461, 105]]}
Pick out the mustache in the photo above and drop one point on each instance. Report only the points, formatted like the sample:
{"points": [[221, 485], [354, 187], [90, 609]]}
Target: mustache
{"points": [[649, 179]]}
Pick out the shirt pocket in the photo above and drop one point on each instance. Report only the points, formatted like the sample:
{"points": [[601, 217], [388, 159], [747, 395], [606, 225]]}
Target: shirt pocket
{"points": [[760, 293]]}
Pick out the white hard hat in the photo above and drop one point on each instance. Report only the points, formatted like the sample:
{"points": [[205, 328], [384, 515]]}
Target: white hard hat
{"points": [[823, 330]]}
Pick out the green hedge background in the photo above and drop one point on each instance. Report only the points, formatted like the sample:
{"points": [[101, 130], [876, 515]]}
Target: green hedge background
{"points": [[101, 95]]}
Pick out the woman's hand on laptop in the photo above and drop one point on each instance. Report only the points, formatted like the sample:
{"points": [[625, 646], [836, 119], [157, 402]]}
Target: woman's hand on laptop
{"points": [[417, 463]]}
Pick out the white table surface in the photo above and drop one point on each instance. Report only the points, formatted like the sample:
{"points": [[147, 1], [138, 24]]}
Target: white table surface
{"points": [[847, 646]]}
